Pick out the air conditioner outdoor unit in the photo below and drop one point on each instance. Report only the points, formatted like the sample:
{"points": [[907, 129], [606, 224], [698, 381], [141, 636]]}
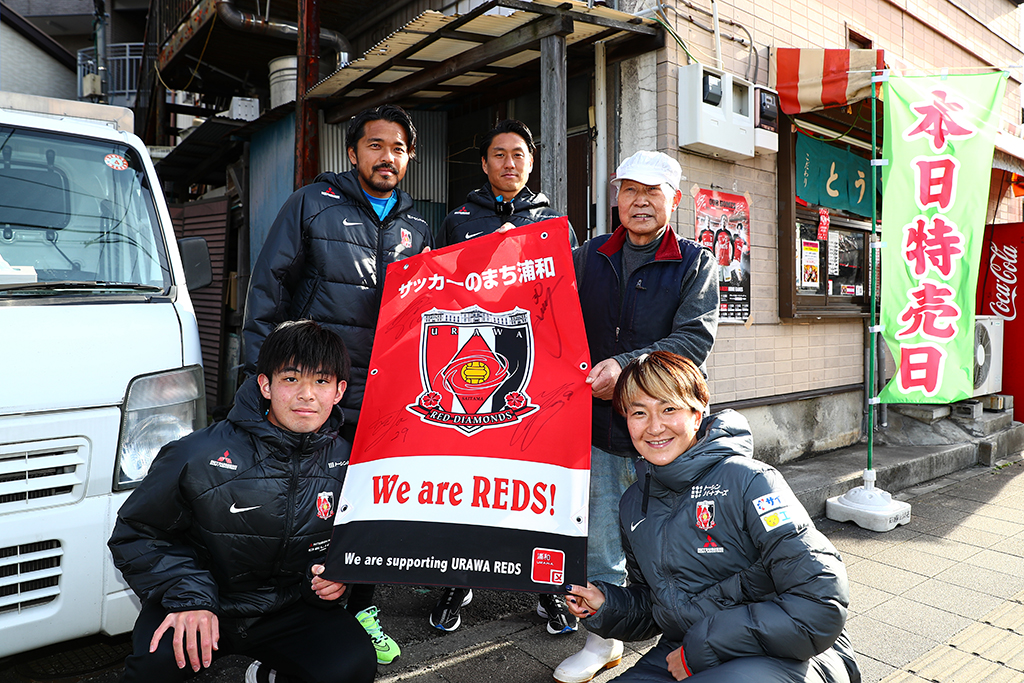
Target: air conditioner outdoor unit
{"points": [[988, 354]]}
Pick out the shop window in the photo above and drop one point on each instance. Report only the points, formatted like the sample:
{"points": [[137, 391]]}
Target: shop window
{"points": [[823, 271]]}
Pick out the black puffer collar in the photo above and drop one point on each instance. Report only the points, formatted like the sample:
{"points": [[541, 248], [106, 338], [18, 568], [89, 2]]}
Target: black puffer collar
{"points": [[720, 436], [348, 183], [526, 200]]}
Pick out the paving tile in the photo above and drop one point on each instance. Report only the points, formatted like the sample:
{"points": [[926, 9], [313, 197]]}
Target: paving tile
{"points": [[952, 598], [919, 618], [983, 580], [864, 597], [999, 561], [900, 677], [1002, 527], [950, 665], [1014, 545], [884, 577], [1009, 616], [991, 643], [943, 547], [886, 643], [939, 512], [863, 543], [872, 670], [964, 534], [911, 558]]}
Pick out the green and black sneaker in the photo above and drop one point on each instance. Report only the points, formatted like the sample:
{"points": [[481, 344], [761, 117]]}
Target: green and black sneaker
{"points": [[386, 647]]}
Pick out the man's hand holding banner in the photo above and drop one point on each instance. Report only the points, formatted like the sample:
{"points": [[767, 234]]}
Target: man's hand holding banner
{"points": [[471, 460]]}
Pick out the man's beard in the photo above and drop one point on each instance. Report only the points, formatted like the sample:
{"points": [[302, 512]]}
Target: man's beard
{"points": [[383, 184]]}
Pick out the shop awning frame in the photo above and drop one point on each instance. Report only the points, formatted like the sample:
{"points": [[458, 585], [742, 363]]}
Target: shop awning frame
{"points": [[425, 58]]}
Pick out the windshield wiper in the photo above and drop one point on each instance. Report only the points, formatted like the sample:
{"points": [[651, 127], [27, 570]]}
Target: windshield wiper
{"points": [[79, 285]]}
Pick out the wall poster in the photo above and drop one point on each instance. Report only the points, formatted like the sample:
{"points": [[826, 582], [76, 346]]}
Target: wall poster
{"points": [[723, 227]]}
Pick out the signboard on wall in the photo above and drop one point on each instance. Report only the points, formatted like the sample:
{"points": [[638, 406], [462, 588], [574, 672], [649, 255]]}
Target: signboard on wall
{"points": [[723, 227]]}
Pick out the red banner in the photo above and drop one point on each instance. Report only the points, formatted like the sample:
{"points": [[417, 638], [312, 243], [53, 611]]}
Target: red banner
{"points": [[998, 280], [471, 459]]}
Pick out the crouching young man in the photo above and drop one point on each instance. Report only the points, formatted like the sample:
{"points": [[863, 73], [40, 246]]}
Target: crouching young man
{"points": [[224, 540]]}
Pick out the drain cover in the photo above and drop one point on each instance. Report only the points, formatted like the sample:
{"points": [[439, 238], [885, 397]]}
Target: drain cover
{"points": [[77, 660]]}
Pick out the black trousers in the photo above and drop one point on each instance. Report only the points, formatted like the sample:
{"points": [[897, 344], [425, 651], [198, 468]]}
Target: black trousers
{"points": [[834, 665], [312, 644]]}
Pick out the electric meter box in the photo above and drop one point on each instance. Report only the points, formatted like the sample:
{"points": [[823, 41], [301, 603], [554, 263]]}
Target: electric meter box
{"points": [[716, 112], [766, 121]]}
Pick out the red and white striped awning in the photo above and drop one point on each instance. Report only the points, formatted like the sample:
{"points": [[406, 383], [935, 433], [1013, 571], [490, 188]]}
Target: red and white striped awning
{"points": [[809, 80]]}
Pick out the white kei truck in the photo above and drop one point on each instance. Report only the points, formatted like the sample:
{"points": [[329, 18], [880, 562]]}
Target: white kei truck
{"points": [[99, 358]]}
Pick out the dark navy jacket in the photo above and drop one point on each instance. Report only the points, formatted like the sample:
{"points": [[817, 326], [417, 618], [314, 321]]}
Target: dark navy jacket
{"points": [[324, 259], [671, 304], [725, 562]]}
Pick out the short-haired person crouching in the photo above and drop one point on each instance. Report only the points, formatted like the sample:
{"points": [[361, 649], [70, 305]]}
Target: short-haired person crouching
{"points": [[723, 560], [224, 540]]}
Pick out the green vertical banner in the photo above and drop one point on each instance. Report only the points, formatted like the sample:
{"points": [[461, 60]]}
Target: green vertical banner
{"points": [[939, 138]]}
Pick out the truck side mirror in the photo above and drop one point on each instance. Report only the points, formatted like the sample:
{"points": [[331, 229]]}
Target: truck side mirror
{"points": [[195, 259]]}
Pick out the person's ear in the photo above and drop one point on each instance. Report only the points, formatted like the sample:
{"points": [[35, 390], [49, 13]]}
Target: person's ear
{"points": [[264, 383], [483, 164], [342, 386], [352, 156], [678, 198]]}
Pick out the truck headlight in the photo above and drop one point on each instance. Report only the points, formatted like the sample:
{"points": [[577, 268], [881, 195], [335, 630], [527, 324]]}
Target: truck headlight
{"points": [[158, 409]]}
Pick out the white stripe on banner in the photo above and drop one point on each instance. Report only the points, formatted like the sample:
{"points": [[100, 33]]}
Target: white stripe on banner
{"points": [[512, 494]]}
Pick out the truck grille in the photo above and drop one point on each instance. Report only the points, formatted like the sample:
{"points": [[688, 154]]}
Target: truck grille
{"points": [[29, 575], [41, 473]]}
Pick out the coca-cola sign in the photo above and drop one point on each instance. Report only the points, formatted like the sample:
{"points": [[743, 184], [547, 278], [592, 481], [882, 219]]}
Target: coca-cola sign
{"points": [[1003, 267]]}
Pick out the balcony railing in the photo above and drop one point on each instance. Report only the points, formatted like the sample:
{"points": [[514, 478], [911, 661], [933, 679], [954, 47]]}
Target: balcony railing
{"points": [[123, 62]]}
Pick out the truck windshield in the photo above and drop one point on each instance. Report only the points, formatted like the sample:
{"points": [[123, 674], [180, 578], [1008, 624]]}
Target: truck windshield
{"points": [[76, 210]]}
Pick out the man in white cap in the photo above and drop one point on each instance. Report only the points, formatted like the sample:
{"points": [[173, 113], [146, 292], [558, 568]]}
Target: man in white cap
{"points": [[642, 289]]}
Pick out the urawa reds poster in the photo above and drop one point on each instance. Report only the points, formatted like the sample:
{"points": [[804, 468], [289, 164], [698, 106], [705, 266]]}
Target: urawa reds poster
{"points": [[471, 459], [723, 226]]}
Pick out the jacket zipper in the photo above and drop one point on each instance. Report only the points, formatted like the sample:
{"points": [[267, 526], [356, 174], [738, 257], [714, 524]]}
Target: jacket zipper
{"points": [[293, 489]]}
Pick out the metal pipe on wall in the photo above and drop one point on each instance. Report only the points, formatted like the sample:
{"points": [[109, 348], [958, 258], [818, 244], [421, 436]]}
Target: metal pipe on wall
{"points": [[252, 23], [601, 142]]}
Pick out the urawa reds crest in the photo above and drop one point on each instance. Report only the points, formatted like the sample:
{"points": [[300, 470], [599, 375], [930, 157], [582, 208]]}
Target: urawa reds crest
{"points": [[475, 367]]}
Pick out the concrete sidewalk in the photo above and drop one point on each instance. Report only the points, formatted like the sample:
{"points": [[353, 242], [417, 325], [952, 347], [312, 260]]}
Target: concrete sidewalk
{"points": [[940, 599]]}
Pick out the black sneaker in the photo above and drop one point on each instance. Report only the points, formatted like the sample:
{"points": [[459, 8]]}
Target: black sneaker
{"points": [[560, 619], [445, 614]]}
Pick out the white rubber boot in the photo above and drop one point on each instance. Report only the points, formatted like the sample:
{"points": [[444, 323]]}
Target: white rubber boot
{"points": [[599, 653]]}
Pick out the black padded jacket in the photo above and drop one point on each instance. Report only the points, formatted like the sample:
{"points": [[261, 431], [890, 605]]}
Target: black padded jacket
{"points": [[324, 259], [231, 518], [724, 561]]}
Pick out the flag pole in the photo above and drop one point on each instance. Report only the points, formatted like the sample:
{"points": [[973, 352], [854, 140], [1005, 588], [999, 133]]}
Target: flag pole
{"points": [[867, 506]]}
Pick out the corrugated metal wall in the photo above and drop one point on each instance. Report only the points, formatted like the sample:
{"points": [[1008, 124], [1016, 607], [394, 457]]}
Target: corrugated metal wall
{"points": [[208, 219], [427, 177]]}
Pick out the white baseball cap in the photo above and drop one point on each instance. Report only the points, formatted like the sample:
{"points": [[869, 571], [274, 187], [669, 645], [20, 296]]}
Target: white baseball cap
{"points": [[650, 168]]}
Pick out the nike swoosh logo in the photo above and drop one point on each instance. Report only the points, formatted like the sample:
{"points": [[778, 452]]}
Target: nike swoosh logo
{"points": [[634, 525], [235, 509], [471, 235], [344, 221]]}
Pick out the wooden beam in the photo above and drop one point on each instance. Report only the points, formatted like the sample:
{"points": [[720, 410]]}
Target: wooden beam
{"points": [[634, 25], [497, 49], [554, 170], [307, 128]]}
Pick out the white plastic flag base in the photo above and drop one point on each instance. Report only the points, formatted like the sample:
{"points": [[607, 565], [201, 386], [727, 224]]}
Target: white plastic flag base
{"points": [[868, 507]]}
